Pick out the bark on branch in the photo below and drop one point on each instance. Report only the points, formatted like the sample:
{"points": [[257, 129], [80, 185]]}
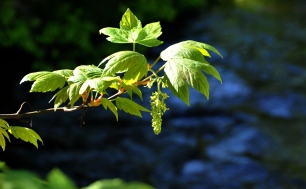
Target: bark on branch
{"points": [[19, 115]]}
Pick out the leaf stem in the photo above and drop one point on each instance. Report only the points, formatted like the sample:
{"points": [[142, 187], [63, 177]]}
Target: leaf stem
{"points": [[145, 79], [154, 62], [153, 72], [133, 47]]}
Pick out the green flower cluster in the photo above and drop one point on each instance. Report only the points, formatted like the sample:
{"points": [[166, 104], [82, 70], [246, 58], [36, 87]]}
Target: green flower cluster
{"points": [[158, 109]]}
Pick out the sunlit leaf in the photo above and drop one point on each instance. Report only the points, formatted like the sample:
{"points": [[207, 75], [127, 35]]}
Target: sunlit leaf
{"points": [[137, 91], [116, 35], [48, 82], [185, 63], [207, 68], [2, 139], [89, 71], [3, 123], [66, 73], [132, 63], [182, 93], [108, 104], [181, 70], [202, 46], [73, 92], [110, 78], [149, 34], [25, 134], [203, 51], [130, 106], [131, 31], [34, 76], [97, 84], [129, 21], [130, 89], [185, 50], [58, 180], [77, 79], [85, 72], [61, 97]]}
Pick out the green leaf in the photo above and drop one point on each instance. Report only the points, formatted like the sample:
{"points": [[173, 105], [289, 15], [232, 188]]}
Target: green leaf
{"points": [[203, 51], [34, 76], [48, 82], [130, 106], [61, 97], [131, 31], [20, 179], [117, 184], [139, 36], [202, 46], [97, 84], [211, 70], [89, 71], [185, 63], [129, 91], [2, 139], [80, 78], [137, 91], [73, 92], [181, 50], [3, 124], [66, 73], [149, 34], [107, 103], [116, 35], [182, 93], [184, 50], [131, 88], [85, 72], [129, 21], [153, 30], [25, 134], [58, 180], [110, 78], [132, 63], [180, 70]]}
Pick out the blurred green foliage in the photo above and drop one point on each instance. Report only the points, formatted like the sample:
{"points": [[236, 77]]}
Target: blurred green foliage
{"points": [[57, 34], [56, 179]]}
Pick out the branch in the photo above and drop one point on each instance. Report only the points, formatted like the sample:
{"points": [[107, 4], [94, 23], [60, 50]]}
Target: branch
{"points": [[19, 115]]}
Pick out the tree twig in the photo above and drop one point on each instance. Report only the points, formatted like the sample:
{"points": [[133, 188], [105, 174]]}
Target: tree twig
{"points": [[19, 115]]}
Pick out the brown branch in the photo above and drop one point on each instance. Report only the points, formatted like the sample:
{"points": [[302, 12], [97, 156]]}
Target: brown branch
{"points": [[22, 107], [19, 115]]}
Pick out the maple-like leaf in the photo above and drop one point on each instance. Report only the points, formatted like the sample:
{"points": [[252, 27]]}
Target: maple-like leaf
{"points": [[185, 63]]}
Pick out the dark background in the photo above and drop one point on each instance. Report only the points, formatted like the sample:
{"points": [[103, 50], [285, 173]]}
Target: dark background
{"points": [[250, 134]]}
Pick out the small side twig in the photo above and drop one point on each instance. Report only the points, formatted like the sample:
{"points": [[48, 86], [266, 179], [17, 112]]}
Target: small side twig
{"points": [[19, 115], [21, 109]]}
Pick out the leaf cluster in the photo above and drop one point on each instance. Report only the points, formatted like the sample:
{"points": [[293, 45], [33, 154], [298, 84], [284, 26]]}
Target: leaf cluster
{"points": [[124, 71], [131, 31], [86, 80], [23, 133]]}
